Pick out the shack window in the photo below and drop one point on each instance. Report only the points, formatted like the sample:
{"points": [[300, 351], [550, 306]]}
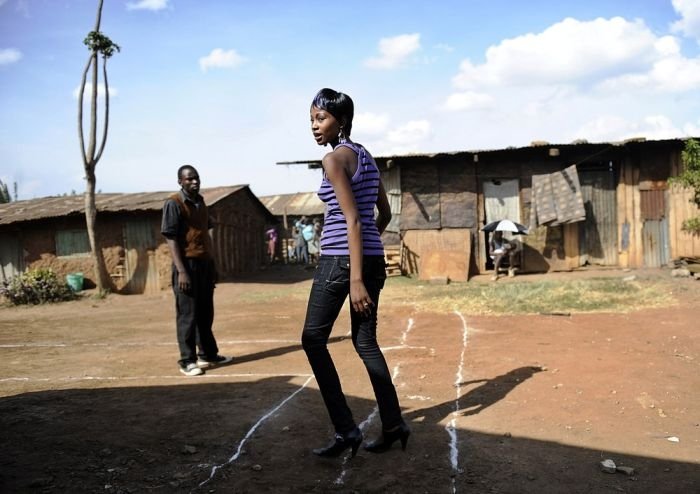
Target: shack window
{"points": [[72, 243]]}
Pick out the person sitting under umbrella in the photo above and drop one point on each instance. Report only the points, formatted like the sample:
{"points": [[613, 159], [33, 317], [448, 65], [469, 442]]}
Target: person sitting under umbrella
{"points": [[499, 247]]}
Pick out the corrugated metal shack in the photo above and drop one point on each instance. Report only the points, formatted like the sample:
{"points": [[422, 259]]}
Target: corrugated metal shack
{"points": [[288, 209], [632, 216], [50, 232]]}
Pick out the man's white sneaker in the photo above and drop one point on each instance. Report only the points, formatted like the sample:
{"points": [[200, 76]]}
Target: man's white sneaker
{"points": [[191, 369], [213, 362]]}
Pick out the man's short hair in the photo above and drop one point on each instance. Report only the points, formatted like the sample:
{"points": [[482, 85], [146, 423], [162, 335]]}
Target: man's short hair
{"points": [[183, 168]]}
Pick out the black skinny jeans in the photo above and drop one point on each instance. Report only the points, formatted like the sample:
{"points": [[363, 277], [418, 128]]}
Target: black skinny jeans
{"points": [[331, 286]]}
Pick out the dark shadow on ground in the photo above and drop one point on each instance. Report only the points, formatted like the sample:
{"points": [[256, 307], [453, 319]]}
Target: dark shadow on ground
{"points": [[166, 439], [489, 392], [276, 352]]}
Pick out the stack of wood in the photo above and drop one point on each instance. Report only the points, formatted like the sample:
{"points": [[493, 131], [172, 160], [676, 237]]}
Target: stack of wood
{"points": [[392, 254], [692, 264], [686, 266]]}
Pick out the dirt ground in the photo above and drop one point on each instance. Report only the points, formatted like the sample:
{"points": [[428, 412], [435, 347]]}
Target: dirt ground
{"points": [[91, 399]]}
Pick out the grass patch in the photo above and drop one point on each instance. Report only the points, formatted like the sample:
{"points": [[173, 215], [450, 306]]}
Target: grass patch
{"points": [[589, 295]]}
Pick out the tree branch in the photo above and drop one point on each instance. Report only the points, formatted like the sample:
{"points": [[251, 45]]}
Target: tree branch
{"points": [[93, 112], [106, 116], [99, 16], [81, 98]]}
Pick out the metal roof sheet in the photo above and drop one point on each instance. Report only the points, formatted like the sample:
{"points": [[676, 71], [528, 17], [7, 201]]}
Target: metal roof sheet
{"points": [[316, 163], [299, 204], [58, 206]]}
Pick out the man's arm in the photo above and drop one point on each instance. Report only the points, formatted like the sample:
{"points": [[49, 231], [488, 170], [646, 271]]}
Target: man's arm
{"points": [[183, 277], [170, 229]]}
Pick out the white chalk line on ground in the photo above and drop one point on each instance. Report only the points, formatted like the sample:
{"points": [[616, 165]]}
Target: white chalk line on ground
{"points": [[139, 378], [404, 335], [419, 397], [451, 426], [252, 430], [365, 423], [140, 343]]}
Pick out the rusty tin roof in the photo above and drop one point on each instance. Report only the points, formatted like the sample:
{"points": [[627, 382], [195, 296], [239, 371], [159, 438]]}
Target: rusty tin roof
{"points": [[59, 206]]}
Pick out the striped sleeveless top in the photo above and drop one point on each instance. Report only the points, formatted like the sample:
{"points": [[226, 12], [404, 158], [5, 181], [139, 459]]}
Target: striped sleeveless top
{"points": [[365, 188]]}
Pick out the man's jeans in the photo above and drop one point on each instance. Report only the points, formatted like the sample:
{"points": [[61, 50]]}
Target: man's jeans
{"points": [[330, 288]]}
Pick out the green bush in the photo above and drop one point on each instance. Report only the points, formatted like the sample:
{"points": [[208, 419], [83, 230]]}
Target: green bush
{"points": [[37, 286]]}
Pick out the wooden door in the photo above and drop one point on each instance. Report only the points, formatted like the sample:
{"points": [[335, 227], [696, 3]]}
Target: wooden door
{"points": [[11, 258], [598, 234], [141, 269], [655, 242]]}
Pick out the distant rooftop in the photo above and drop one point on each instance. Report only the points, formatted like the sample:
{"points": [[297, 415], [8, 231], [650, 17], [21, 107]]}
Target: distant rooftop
{"points": [[299, 204], [59, 206], [533, 145]]}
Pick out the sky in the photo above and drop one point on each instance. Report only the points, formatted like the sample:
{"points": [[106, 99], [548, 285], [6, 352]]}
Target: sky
{"points": [[226, 85]]}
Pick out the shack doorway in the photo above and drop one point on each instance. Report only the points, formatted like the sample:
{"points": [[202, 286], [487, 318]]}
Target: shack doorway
{"points": [[598, 233], [140, 260], [501, 201]]}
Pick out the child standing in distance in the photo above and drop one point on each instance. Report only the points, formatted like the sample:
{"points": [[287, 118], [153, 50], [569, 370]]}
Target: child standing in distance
{"points": [[351, 263], [185, 227]]}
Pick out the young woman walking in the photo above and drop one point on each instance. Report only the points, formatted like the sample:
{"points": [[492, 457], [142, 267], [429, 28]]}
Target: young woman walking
{"points": [[351, 263]]}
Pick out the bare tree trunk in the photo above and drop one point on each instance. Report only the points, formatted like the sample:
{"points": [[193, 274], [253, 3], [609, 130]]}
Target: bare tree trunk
{"points": [[102, 279]]}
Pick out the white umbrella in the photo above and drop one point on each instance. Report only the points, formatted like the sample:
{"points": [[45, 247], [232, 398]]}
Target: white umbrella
{"points": [[506, 226]]}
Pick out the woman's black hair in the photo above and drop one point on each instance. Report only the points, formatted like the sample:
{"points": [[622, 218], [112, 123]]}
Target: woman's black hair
{"points": [[339, 105]]}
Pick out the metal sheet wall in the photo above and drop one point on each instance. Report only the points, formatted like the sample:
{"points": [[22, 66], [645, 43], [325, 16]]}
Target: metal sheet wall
{"points": [[652, 204], [11, 260], [598, 234], [140, 244], [655, 243]]}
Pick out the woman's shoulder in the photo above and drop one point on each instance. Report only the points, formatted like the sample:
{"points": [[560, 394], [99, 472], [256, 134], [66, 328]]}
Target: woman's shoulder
{"points": [[340, 156]]}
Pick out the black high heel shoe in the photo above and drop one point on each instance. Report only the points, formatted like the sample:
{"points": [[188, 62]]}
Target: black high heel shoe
{"points": [[388, 438], [340, 443]]}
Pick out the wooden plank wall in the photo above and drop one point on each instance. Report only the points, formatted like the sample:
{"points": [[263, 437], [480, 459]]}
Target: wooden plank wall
{"points": [[629, 217], [571, 245], [682, 244], [239, 235], [422, 248]]}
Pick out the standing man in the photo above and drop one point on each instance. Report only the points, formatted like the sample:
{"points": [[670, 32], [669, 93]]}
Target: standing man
{"points": [[185, 227]]}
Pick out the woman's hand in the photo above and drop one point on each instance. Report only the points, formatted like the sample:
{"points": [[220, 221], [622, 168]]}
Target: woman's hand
{"points": [[359, 298]]}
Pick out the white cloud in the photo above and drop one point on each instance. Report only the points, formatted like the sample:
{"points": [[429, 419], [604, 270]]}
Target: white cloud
{"points": [[153, 5], [673, 74], [468, 100], [218, 58], [689, 24], [394, 51], [369, 123], [692, 129], [100, 91], [569, 51], [609, 55], [411, 133], [9, 55], [615, 128]]}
